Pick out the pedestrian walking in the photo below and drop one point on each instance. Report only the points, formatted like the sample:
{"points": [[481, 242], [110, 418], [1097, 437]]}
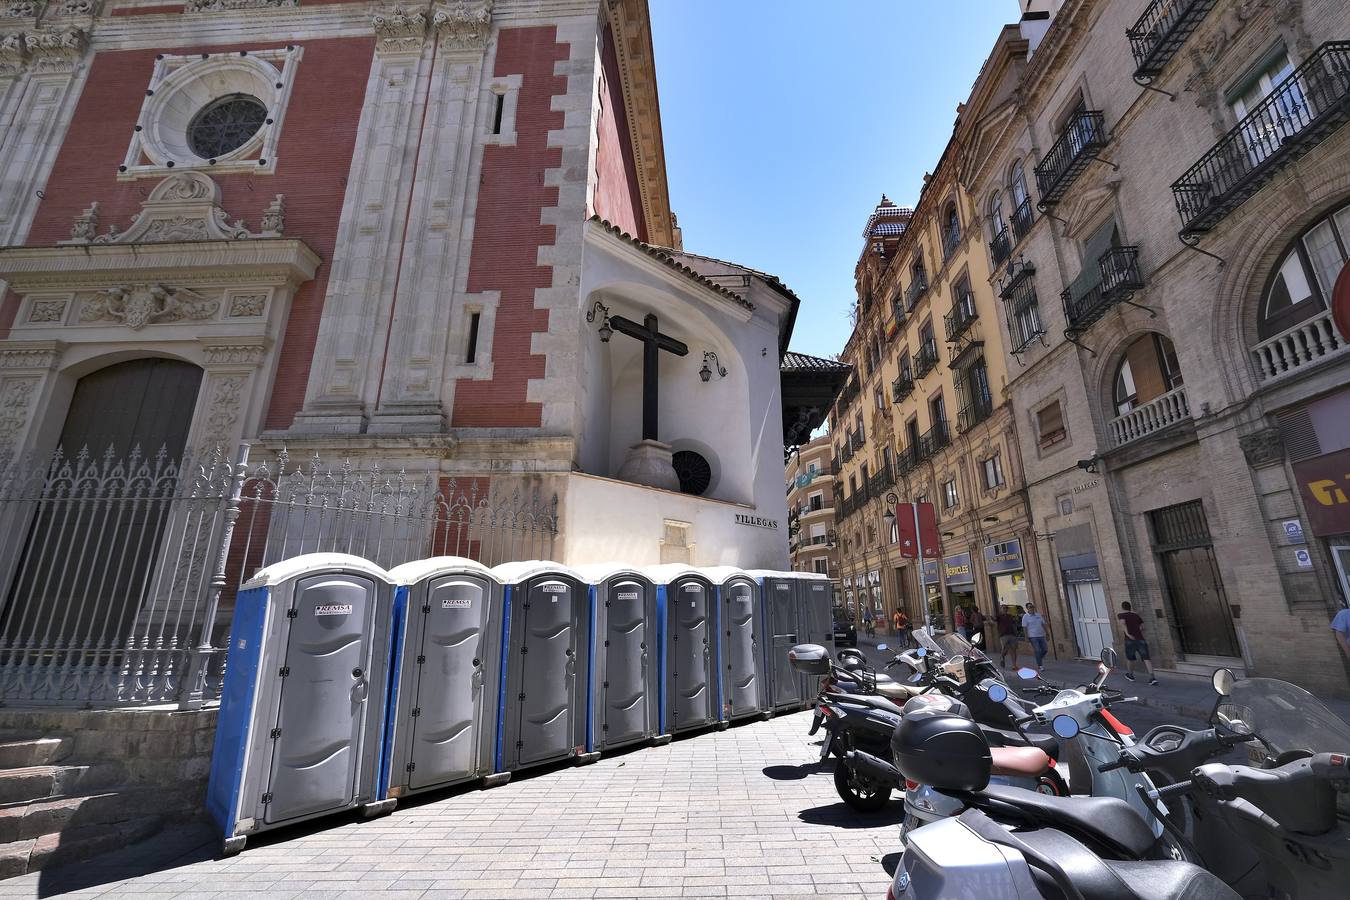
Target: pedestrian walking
{"points": [[1034, 627], [1135, 645], [902, 629], [960, 620], [1007, 635], [867, 622], [1340, 626]]}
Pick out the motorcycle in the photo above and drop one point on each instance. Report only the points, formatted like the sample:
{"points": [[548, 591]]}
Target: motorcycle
{"points": [[1012, 843]]}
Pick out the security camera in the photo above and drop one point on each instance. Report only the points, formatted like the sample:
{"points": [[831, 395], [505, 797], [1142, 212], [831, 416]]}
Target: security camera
{"points": [[1089, 464]]}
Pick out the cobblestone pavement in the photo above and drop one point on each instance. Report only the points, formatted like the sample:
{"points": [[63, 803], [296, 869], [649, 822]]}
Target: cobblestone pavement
{"points": [[742, 812]]}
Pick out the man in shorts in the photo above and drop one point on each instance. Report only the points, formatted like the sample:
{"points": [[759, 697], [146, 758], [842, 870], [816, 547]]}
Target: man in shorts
{"points": [[1007, 635], [1135, 645]]}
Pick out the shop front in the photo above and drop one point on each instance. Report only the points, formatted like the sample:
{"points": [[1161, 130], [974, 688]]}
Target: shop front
{"points": [[1006, 570], [1324, 486], [958, 572], [932, 590]]}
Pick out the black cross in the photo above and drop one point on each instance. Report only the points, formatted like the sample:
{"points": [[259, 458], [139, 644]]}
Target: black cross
{"points": [[653, 342]]}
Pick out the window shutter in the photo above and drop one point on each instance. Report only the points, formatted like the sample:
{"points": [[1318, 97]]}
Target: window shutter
{"points": [[1101, 240]]}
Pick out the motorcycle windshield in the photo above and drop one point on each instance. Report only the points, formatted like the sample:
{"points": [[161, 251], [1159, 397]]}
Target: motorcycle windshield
{"points": [[924, 638], [955, 645]]}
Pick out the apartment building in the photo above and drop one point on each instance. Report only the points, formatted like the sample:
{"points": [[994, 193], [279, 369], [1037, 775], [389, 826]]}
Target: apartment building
{"points": [[1163, 192], [810, 496]]}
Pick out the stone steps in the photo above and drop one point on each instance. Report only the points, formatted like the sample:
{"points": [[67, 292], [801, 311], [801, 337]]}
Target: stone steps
{"points": [[27, 752], [73, 844], [31, 783]]}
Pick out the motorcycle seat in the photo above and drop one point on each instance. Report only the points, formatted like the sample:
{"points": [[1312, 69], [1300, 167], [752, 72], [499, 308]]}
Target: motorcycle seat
{"points": [[1019, 761], [1107, 821], [876, 701], [1046, 743], [897, 690]]}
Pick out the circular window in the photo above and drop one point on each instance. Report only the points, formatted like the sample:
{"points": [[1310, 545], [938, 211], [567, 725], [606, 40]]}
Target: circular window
{"points": [[225, 125], [694, 472]]}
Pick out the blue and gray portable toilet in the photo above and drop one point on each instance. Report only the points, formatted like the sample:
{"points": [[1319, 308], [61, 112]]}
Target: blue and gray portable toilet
{"points": [[443, 696], [625, 673], [542, 700], [303, 704], [740, 664], [782, 611], [685, 611], [815, 598]]}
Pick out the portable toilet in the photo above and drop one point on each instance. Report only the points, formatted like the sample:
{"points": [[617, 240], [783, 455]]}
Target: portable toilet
{"points": [[816, 599], [302, 708], [684, 613], [625, 669], [740, 664], [443, 696], [780, 606], [542, 700]]}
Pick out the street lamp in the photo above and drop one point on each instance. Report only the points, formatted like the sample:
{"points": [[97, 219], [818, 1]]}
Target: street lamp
{"points": [[605, 330], [706, 372]]}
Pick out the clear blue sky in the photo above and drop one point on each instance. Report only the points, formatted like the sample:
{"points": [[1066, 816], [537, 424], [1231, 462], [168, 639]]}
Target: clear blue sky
{"points": [[786, 120]]}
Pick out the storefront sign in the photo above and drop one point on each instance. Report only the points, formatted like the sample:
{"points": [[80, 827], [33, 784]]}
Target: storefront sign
{"points": [[957, 569], [756, 521], [1004, 557], [1293, 532], [1085, 575], [1324, 484], [931, 575]]}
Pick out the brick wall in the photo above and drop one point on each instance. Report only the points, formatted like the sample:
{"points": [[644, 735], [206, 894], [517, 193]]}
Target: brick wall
{"points": [[508, 233], [313, 158], [617, 196]]}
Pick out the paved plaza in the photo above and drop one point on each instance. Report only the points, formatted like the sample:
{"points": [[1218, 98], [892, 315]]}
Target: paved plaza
{"points": [[742, 812]]}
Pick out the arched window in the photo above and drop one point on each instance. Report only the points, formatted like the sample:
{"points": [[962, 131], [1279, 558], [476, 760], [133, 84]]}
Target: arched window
{"points": [[1305, 275], [1148, 371], [1017, 183], [951, 230], [995, 214]]}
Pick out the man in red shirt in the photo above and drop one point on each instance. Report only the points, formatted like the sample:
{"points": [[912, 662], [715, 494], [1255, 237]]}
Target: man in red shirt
{"points": [[1135, 645]]}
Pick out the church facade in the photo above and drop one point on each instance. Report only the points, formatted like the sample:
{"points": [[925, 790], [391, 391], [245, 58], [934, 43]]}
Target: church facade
{"points": [[433, 240]]}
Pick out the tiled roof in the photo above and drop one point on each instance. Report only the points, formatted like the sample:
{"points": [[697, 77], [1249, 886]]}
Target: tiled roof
{"points": [[664, 255], [801, 361]]}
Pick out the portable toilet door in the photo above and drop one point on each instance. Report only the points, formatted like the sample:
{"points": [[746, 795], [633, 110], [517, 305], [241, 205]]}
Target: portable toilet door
{"points": [[543, 698], [443, 698], [781, 605], [816, 615], [302, 708], [740, 663], [624, 676], [688, 673]]}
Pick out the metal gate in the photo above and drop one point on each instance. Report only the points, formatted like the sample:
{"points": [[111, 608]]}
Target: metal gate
{"points": [[449, 628], [1091, 618], [689, 684], [317, 738], [1200, 613], [740, 648]]}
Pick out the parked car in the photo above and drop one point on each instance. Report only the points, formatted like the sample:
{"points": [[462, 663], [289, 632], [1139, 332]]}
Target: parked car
{"points": [[845, 632]]}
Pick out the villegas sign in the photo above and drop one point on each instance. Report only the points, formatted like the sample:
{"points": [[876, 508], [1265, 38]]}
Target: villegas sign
{"points": [[755, 521]]}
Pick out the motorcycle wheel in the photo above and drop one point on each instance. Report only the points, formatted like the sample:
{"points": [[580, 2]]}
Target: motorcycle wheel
{"points": [[858, 793], [1052, 784]]}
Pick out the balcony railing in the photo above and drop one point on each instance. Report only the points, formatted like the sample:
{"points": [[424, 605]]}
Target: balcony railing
{"points": [[1001, 246], [907, 460], [901, 388], [958, 321], [1022, 219], [898, 310], [1023, 306], [1083, 138], [951, 239], [1119, 268], [1161, 31], [1298, 115], [1153, 416], [881, 481], [934, 440], [914, 293], [974, 412], [926, 359], [1297, 349]]}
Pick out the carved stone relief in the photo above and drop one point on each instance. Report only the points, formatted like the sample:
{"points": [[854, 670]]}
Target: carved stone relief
{"points": [[21, 9], [234, 354], [183, 207], [222, 412], [56, 49], [28, 358], [47, 311], [1263, 448], [13, 52], [140, 305], [243, 305], [194, 6], [463, 25], [399, 30], [16, 401]]}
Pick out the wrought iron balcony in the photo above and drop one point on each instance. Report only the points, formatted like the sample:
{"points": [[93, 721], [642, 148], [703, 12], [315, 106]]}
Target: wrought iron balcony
{"points": [[914, 293], [926, 359], [1018, 291], [881, 481], [974, 412], [901, 388], [898, 310], [951, 239], [1022, 219], [1298, 115], [1119, 269], [1001, 246], [908, 460], [958, 321], [1155, 415], [1083, 138], [934, 440], [1161, 31]]}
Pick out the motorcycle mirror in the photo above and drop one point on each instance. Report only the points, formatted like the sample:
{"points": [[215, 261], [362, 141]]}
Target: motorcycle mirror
{"points": [[916, 678], [1223, 682], [998, 693], [1026, 673], [977, 639], [1065, 726], [881, 646], [921, 652], [1109, 657]]}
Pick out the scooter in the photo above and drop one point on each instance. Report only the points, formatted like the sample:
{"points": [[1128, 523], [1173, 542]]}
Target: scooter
{"points": [[1012, 843]]}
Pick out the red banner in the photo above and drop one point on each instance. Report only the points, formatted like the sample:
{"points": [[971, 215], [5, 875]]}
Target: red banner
{"points": [[928, 531], [909, 533]]}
